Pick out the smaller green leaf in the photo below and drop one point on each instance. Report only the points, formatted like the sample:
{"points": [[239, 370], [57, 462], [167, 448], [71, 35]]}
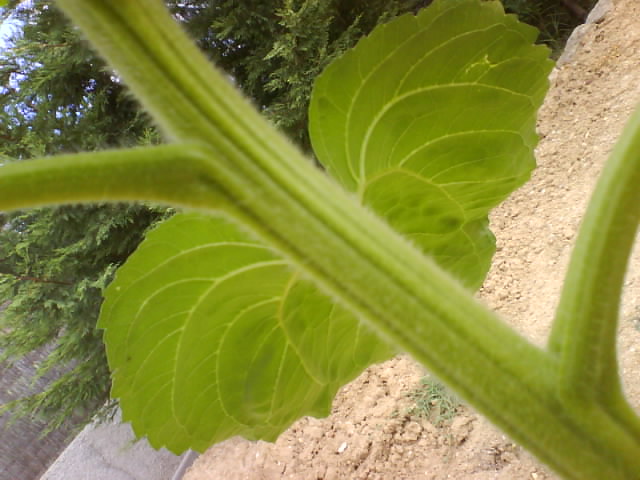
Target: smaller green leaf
{"points": [[431, 121], [210, 334]]}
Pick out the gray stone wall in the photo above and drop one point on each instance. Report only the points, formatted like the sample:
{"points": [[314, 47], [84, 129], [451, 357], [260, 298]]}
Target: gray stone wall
{"points": [[109, 451], [24, 453]]}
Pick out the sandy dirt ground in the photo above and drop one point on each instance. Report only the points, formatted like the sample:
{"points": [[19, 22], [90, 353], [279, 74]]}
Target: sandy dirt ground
{"points": [[374, 432]]}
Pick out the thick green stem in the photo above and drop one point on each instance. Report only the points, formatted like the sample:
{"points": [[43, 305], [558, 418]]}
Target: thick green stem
{"points": [[168, 174], [264, 182], [585, 329]]}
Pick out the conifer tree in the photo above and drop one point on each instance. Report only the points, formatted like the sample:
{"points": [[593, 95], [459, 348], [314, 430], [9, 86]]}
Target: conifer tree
{"points": [[57, 97]]}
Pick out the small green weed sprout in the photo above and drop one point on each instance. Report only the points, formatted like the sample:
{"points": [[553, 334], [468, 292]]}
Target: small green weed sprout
{"points": [[434, 402]]}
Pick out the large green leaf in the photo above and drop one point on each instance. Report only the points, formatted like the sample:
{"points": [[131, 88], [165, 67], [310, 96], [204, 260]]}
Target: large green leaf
{"points": [[210, 334], [431, 121]]}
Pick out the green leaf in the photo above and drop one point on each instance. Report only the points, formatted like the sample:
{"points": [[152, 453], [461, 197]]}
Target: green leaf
{"points": [[210, 335], [431, 121]]}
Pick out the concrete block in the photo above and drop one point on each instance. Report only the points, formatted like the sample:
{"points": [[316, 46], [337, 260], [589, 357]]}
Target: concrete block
{"points": [[109, 452]]}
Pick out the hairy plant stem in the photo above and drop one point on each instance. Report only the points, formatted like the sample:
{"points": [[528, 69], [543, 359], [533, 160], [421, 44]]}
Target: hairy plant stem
{"points": [[156, 174], [585, 328], [262, 181]]}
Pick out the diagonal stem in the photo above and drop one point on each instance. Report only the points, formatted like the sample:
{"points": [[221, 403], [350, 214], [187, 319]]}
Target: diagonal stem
{"points": [[585, 328]]}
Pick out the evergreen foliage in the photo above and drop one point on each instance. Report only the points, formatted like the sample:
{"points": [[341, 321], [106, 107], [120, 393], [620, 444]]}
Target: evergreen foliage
{"points": [[56, 96], [276, 49]]}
